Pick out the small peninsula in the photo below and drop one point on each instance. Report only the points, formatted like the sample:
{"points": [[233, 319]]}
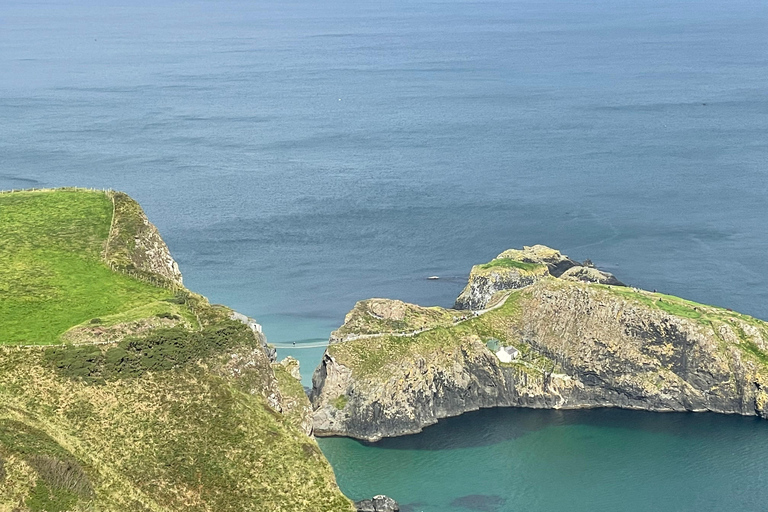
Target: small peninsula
{"points": [[534, 328], [121, 390]]}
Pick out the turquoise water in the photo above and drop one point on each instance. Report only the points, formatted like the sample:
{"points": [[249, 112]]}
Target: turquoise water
{"points": [[299, 156], [517, 459]]}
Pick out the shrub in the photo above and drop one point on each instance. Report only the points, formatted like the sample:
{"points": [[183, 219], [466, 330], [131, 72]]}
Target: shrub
{"points": [[158, 350]]}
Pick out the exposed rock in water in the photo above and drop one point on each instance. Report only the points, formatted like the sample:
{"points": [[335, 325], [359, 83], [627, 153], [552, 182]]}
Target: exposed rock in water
{"points": [[581, 344], [416, 506], [377, 504]]}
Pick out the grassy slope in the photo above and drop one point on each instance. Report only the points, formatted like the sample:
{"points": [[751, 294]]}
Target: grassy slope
{"points": [[160, 422], [180, 439], [367, 357], [52, 275]]}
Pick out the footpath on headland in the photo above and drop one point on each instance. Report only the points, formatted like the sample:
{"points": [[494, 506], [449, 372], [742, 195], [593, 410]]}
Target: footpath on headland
{"points": [[318, 344]]}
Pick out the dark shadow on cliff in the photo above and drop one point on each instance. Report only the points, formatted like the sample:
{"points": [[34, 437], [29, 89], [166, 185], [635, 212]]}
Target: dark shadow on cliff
{"points": [[490, 426]]}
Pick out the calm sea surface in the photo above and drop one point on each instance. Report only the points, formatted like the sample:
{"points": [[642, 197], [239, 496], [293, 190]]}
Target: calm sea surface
{"points": [[300, 156]]}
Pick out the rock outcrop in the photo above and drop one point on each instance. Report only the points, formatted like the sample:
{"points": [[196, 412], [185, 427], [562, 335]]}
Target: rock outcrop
{"points": [[580, 344], [514, 269], [379, 503], [255, 327], [590, 275], [135, 246]]}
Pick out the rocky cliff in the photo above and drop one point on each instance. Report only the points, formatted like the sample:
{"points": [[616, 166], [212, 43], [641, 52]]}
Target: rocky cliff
{"points": [[134, 244], [578, 343]]}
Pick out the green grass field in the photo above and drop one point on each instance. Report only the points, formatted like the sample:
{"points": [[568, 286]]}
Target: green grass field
{"points": [[52, 276], [510, 263]]}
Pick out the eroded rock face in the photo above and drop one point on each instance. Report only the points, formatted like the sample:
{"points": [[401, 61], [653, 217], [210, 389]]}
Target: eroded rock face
{"points": [[330, 381], [483, 285], [294, 402], [533, 264], [135, 245], [388, 309], [156, 257], [581, 345], [590, 275]]}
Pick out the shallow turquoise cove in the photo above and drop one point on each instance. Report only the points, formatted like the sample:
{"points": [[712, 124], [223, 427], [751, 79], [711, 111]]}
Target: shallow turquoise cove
{"points": [[593, 460]]}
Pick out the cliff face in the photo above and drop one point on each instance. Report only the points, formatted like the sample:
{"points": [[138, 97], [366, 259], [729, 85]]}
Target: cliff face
{"points": [[579, 344], [135, 245]]}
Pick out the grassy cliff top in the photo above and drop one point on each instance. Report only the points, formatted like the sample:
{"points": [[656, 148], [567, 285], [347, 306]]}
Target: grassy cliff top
{"points": [[370, 356], [163, 402], [374, 316], [512, 263], [536, 260], [54, 275]]}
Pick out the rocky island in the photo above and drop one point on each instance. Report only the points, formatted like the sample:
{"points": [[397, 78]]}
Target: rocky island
{"points": [[534, 328], [121, 390]]}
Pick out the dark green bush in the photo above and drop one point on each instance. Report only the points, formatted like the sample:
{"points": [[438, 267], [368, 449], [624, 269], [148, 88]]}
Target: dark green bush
{"points": [[159, 350]]}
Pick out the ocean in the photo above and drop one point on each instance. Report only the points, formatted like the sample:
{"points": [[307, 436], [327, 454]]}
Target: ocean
{"points": [[300, 156]]}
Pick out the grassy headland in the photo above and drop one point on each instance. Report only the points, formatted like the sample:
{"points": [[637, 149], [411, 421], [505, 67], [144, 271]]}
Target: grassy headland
{"points": [[177, 408], [53, 276]]}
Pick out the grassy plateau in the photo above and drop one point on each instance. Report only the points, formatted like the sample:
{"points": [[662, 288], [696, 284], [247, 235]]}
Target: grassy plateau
{"points": [[53, 276]]}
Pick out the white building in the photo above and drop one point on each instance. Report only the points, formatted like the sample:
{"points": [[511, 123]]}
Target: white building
{"points": [[507, 354]]}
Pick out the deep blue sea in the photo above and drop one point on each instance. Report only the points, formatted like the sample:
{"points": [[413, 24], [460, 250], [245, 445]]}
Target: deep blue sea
{"points": [[299, 156]]}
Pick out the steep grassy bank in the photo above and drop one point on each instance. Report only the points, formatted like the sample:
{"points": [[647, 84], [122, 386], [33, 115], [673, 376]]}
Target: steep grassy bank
{"points": [[165, 404]]}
